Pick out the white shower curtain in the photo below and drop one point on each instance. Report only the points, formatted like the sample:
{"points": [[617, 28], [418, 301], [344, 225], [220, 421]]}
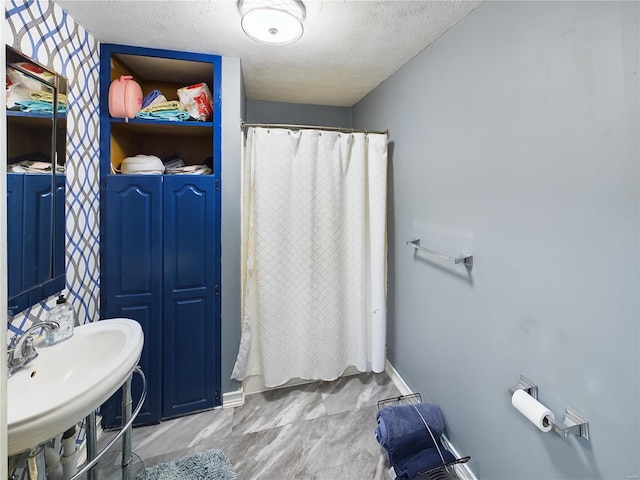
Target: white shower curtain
{"points": [[314, 254]]}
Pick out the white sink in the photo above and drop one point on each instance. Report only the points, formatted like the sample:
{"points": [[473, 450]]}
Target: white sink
{"points": [[69, 380]]}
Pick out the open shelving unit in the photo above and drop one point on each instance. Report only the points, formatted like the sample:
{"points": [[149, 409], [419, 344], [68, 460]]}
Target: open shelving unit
{"points": [[160, 234]]}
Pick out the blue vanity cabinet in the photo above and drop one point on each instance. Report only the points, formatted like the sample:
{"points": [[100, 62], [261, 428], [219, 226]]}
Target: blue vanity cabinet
{"points": [[160, 234]]}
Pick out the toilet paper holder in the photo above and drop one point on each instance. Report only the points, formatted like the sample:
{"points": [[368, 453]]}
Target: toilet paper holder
{"points": [[571, 424], [527, 385]]}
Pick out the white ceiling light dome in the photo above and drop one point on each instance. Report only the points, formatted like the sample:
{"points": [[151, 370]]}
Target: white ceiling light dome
{"points": [[272, 22]]}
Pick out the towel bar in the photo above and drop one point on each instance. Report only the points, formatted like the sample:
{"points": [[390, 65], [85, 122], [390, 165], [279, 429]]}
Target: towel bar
{"points": [[466, 259]]}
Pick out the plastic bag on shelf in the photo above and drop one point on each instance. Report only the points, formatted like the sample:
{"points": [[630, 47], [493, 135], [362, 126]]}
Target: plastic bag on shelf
{"points": [[189, 170], [198, 101]]}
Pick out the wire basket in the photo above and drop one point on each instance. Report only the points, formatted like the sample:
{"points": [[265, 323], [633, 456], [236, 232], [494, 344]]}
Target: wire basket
{"points": [[446, 471], [402, 400]]}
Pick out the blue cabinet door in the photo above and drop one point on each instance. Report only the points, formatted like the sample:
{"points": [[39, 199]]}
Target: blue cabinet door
{"points": [[132, 284], [190, 327], [35, 239], [15, 195], [38, 230]]}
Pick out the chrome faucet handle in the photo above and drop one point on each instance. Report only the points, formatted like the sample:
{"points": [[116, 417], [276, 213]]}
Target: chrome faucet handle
{"points": [[21, 350], [11, 349], [27, 347], [12, 342], [22, 345]]}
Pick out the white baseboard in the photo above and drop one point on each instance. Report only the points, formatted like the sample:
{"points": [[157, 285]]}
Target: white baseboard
{"points": [[233, 399], [462, 469], [397, 380]]}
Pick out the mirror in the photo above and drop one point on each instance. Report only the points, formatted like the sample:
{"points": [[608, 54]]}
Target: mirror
{"points": [[36, 153]]}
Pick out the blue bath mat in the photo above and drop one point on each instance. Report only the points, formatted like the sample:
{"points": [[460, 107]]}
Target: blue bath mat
{"points": [[209, 465]]}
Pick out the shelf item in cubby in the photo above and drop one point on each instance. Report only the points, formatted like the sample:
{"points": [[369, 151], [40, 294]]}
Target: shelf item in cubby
{"points": [[125, 97], [197, 100], [154, 96], [189, 170], [173, 111], [142, 164], [172, 159]]}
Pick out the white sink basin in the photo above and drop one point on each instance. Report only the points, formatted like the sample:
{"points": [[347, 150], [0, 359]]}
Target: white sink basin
{"points": [[69, 380]]}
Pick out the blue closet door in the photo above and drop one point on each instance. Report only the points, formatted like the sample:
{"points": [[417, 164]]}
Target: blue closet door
{"points": [[190, 334], [132, 287]]}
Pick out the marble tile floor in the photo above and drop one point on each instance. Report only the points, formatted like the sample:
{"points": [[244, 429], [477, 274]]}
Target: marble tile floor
{"points": [[320, 430]]}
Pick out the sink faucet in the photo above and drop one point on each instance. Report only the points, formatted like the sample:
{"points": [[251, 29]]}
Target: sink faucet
{"points": [[21, 350]]}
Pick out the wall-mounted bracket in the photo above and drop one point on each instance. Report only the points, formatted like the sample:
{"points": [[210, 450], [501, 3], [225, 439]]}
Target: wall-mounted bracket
{"points": [[527, 385], [572, 424]]}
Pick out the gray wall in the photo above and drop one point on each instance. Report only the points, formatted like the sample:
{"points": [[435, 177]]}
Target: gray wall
{"points": [[260, 111], [515, 137], [233, 104]]}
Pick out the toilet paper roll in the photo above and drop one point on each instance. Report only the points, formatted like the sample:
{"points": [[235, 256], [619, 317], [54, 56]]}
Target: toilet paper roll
{"points": [[535, 412]]}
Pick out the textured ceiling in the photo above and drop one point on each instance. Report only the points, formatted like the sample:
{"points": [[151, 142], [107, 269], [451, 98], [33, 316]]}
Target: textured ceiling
{"points": [[347, 49]]}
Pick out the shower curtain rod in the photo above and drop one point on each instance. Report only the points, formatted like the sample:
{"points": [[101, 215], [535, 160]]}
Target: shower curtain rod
{"points": [[311, 127]]}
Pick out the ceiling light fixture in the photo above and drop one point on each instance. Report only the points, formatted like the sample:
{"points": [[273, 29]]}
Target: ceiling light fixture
{"points": [[272, 22]]}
